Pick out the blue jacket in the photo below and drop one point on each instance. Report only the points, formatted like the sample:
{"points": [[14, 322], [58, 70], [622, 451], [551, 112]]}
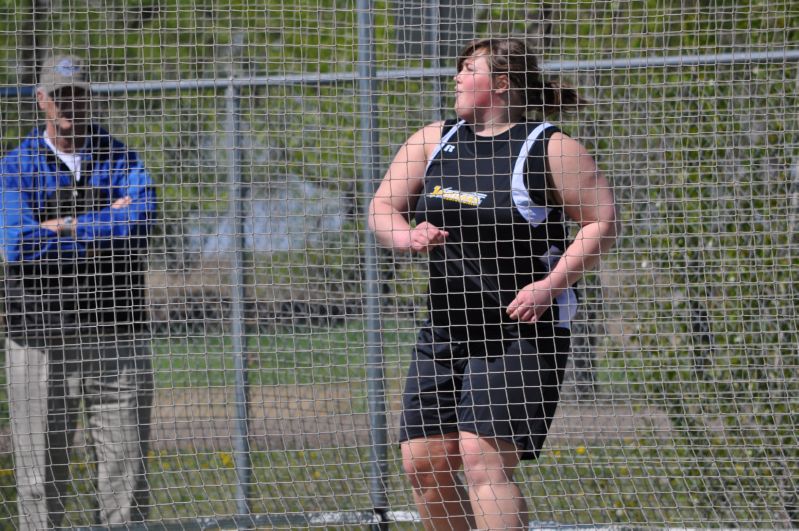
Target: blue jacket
{"points": [[91, 282]]}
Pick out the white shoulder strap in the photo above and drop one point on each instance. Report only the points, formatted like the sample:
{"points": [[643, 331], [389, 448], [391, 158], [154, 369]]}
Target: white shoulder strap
{"points": [[444, 140], [533, 213]]}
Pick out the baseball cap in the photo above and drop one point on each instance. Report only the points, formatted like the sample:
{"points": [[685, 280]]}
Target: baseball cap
{"points": [[63, 71]]}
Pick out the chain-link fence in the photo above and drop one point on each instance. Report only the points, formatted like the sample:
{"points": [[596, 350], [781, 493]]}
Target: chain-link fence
{"points": [[282, 334]]}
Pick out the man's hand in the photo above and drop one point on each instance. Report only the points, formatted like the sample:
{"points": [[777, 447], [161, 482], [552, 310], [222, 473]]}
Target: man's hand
{"points": [[61, 226], [122, 202], [66, 225], [425, 236]]}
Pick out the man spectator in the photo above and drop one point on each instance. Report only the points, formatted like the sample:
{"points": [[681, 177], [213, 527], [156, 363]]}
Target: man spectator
{"points": [[76, 208]]}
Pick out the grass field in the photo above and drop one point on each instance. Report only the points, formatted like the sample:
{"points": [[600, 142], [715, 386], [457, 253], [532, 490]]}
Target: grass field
{"points": [[579, 486], [289, 357]]}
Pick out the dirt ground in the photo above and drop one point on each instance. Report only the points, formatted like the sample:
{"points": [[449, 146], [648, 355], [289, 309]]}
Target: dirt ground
{"points": [[317, 416], [321, 416]]}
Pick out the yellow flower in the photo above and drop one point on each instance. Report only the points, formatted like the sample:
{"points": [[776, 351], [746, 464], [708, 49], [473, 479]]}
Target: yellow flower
{"points": [[226, 458]]}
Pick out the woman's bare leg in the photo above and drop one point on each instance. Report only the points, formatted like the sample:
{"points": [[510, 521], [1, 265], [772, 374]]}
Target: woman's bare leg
{"points": [[489, 465], [431, 465]]}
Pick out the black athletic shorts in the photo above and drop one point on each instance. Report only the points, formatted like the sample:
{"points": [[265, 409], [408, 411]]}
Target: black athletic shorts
{"points": [[463, 386]]}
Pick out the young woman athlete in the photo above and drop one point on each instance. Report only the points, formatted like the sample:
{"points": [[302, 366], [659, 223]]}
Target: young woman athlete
{"points": [[486, 197]]}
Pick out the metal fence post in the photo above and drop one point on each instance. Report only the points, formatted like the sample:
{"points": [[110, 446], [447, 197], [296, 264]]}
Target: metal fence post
{"points": [[374, 362], [241, 446]]}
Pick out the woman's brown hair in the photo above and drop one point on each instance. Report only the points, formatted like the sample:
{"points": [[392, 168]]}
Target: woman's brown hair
{"points": [[512, 57]]}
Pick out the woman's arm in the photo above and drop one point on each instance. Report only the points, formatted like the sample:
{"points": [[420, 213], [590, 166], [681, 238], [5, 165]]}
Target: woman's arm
{"points": [[587, 198], [390, 207]]}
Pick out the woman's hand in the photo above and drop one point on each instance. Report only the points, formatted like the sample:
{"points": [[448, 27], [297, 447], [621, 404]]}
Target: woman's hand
{"points": [[425, 236], [531, 302]]}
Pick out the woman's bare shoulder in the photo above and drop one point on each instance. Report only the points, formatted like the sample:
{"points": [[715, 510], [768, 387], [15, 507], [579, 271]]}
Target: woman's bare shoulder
{"points": [[429, 134], [425, 139]]}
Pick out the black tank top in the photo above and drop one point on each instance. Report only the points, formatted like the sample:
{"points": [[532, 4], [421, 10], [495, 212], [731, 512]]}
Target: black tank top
{"points": [[490, 193]]}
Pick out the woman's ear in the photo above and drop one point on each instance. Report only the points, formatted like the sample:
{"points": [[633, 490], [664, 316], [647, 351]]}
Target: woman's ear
{"points": [[501, 83]]}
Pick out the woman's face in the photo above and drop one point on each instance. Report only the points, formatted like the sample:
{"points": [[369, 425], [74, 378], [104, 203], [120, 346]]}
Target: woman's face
{"points": [[474, 86]]}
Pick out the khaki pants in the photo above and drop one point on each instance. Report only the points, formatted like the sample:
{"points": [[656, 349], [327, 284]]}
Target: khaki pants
{"points": [[112, 379]]}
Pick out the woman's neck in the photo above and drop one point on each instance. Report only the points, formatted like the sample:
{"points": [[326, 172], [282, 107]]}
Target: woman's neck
{"points": [[492, 129], [492, 125]]}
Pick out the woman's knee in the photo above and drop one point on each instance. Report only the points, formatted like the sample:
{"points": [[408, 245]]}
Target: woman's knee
{"points": [[487, 461], [425, 461]]}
